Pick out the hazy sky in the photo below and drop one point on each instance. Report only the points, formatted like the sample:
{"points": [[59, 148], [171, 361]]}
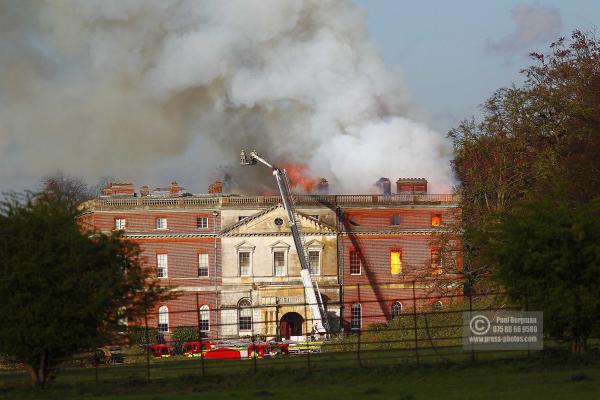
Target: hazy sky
{"points": [[454, 54]]}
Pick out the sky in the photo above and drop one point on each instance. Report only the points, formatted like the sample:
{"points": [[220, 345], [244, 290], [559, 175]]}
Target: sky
{"points": [[151, 91], [453, 55]]}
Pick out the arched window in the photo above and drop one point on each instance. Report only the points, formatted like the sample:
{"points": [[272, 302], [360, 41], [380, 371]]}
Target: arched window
{"points": [[437, 306], [356, 316], [396, 309], [245, 315], [163, 319], [204, 318]]}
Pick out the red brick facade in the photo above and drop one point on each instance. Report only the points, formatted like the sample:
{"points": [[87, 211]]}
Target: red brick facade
{"points": [[419, 228]]}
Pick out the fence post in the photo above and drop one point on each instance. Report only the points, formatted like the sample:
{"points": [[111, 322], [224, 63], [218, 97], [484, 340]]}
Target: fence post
{"points": [[415, 322], [96, 362], [147, 337], [527, 309], [254, 350], [199, 333], [307, 335], [470, 317]]}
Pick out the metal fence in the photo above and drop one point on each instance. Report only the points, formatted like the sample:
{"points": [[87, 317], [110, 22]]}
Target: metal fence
{"points": [[420, 332]]}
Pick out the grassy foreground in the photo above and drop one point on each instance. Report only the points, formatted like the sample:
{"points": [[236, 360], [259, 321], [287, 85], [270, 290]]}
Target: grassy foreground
{"points": [[522, 379]]}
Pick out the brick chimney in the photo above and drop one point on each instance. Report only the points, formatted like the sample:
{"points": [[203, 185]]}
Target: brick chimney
{"points": [[323, 186], [411, 186], [118, 189], [384, 185], [216, 187], [175, 189], [144, 191]]}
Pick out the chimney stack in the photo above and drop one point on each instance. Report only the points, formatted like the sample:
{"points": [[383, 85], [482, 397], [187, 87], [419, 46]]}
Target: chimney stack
{"points": [[411, 186], [216, 187], [144, 191], [175, 189], [123, 189], [384, 185], [323, 186]]}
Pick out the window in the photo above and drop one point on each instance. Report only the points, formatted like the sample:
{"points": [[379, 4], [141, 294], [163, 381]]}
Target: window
{"points": [[279, 263], [355, 263], [245, 315], [161, 265], [202, 223], [161, 223], [204, 318], [244, 263], [120, 224], [314, 261], [356, 316], [436, 219], [241, 217], [396, 309], [163, 319], [436, 261], [396, 262], [203, 265], [315, 217], [437, 306], [395, 219]]}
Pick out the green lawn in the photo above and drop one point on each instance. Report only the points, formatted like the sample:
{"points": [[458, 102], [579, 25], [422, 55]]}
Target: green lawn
{"points": [[338, 379]]}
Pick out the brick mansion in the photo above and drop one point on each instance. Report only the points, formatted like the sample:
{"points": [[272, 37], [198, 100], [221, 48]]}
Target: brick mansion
{"points": [[232, 261]]}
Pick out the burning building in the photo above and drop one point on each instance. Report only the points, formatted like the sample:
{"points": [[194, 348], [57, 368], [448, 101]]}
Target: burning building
{"points": [[233, 262]]}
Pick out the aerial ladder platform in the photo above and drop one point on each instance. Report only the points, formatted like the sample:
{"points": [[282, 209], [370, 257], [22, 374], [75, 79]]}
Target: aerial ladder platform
{"points": [[311, 288]]}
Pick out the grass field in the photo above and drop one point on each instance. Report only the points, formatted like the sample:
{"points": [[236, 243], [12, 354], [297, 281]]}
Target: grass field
{"points": [[290, 378]]}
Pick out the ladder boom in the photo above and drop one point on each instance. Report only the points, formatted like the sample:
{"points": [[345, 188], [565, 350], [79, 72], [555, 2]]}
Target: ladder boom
{"points": [[313, 297]]}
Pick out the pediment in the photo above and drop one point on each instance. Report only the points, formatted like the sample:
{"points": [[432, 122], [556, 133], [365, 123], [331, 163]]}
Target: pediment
{"points": [[245, 246], [273, 221], [279, 245]]}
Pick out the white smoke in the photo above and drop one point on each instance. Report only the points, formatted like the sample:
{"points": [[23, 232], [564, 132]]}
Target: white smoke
{"points": [[155, 90]]}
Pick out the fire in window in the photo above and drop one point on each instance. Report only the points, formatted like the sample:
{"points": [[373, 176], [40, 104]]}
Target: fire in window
{"points": [[436, 219], [396, 262]]}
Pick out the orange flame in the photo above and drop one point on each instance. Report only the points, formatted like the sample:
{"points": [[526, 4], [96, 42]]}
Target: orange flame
{"points": [[298, 176]]}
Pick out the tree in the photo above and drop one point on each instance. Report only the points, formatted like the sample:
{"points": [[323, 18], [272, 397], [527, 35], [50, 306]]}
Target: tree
{"points": [[63, 289], [547, 256], [532, 140]]}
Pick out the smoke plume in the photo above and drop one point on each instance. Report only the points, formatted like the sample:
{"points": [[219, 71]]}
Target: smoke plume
{"points": [[150, 91]]}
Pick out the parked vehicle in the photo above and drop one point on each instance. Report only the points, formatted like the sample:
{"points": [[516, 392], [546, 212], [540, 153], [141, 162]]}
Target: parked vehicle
{"points": [[162, 350], [195, 348]]}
